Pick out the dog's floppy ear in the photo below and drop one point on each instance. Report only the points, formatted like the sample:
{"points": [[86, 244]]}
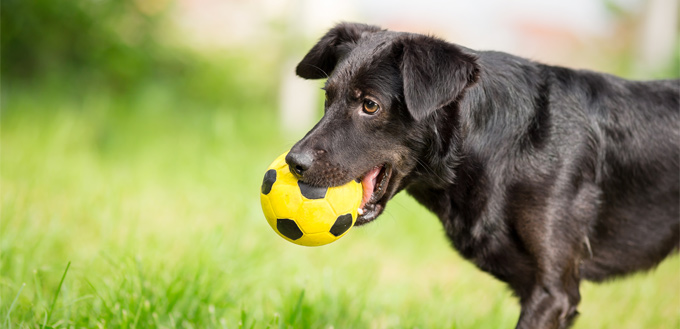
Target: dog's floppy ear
{"points": [[340, 40], [435, 73]]}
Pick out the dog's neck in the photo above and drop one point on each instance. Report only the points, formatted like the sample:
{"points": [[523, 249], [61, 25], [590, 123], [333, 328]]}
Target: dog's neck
{"points": [[469, 135]]}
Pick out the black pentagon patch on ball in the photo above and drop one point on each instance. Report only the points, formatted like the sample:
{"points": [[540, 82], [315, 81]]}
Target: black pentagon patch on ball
{"points": [[311, 192], [288, 228], [268, 181], [342, 224]]}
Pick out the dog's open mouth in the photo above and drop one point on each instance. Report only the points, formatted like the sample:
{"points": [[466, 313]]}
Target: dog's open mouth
{"points": [[374, 183]]}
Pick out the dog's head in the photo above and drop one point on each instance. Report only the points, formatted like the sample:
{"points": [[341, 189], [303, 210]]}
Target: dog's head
{"points": [[382, 90]]}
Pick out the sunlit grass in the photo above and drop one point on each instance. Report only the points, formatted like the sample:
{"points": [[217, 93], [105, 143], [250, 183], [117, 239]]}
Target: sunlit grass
{"points": [[156, 207]]}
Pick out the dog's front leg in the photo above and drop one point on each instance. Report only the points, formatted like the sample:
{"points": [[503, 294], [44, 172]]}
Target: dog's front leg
{"points": [[555, 241], [547, 308], [551, 302]]}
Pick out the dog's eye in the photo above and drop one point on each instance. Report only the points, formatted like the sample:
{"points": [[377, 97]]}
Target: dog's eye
{"points": [[370, 106]]}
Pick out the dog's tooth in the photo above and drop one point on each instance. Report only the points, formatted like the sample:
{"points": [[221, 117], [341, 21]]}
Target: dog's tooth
{"points": [[360, 211]]}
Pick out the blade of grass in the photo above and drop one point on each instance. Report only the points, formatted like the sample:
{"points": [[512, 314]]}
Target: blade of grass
{"points": [[56, 295], [106, 306], [242, 324], [8, 322], [142, 292], [297, 310], [138, 312], [38, 287]]}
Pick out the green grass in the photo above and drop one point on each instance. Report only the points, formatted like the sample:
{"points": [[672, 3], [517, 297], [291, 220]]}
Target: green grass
{"points": [[155, 206]]}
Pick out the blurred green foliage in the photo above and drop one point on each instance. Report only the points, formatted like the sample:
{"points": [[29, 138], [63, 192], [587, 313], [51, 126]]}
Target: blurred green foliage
{"points": [[113, 41], [122, 47]]}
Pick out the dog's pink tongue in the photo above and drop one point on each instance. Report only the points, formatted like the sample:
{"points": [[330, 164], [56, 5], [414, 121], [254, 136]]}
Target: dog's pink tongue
{"points": [[368, 183]]}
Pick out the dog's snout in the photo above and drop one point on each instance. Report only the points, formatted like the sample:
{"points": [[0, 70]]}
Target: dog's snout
{"points": [[299, 162]]}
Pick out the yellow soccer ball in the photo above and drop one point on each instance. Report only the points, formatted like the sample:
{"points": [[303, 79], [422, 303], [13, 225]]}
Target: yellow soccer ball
{"points": [[307, 215]]}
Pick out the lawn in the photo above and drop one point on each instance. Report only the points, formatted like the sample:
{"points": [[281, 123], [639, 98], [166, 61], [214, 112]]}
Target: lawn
{"points": [[154, 203]]}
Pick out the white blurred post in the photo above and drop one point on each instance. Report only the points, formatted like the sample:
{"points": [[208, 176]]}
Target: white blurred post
{"points": [[297, 100], [658, 34]]}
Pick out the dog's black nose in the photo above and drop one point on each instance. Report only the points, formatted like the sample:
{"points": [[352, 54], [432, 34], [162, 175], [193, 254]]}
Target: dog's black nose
{"points": [[299, 162]]}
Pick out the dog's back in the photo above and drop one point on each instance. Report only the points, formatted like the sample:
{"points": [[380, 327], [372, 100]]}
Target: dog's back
{"points": [[602, 150], [635, 129]]}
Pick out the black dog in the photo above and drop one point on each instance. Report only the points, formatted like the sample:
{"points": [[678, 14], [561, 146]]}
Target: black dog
{"points": [[541, 175]]}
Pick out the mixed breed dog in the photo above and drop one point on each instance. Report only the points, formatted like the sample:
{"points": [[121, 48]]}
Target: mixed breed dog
{"points": [[541, 175]]}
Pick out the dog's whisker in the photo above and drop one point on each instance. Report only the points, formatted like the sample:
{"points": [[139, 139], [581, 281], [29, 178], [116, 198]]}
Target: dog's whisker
{"points": [[316, 67], [429, 169]]}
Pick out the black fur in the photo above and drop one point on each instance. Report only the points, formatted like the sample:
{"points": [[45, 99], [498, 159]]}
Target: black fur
{"points": [[540, 175]]}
